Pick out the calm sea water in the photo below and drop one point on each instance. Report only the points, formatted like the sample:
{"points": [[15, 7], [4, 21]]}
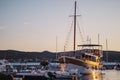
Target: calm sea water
{"points": [[111, 75], [103, 75]]}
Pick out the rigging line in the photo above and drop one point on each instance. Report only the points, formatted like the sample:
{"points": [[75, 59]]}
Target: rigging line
{"points": [[81, 21], [68, 36], [80, 32], [82, 26]]}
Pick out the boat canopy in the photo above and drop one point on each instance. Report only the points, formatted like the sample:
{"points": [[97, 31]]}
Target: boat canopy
{"points": [[89, 45]]}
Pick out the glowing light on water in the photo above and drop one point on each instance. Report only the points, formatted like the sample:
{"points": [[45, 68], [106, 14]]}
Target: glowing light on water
{"points": [[96, 75]]}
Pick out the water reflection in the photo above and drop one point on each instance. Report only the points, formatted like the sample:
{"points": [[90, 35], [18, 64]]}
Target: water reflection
{"points": [[96, 75]]}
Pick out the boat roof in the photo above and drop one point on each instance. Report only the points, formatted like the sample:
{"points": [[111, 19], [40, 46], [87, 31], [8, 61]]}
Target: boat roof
{"points": [[89, 45]]}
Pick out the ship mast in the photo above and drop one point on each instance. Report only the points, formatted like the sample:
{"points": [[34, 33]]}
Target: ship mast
{"points": [[74, 47]]}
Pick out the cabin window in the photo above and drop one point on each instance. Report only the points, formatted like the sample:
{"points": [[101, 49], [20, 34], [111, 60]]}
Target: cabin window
{"points": [[93, 59]]}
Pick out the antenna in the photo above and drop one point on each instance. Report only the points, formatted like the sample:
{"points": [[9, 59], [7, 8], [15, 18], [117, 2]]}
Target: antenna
{"points": [[88, 40], [98, 39], [106, 50], [56, 48]]}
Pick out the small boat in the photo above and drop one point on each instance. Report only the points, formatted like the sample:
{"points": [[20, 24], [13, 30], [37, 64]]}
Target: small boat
{"points": [[5, 65], [5, 70]]}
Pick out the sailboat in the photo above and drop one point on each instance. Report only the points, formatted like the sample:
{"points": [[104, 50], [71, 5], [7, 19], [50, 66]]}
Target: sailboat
{"points": [[88, 58]]}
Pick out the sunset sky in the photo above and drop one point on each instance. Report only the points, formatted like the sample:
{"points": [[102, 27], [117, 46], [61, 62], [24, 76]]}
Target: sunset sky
{"points": [[32, 25]]}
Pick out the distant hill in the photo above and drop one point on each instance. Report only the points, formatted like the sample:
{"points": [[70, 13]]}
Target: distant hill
{"points": [[14, 55], [20, 55], [113, 56]]}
